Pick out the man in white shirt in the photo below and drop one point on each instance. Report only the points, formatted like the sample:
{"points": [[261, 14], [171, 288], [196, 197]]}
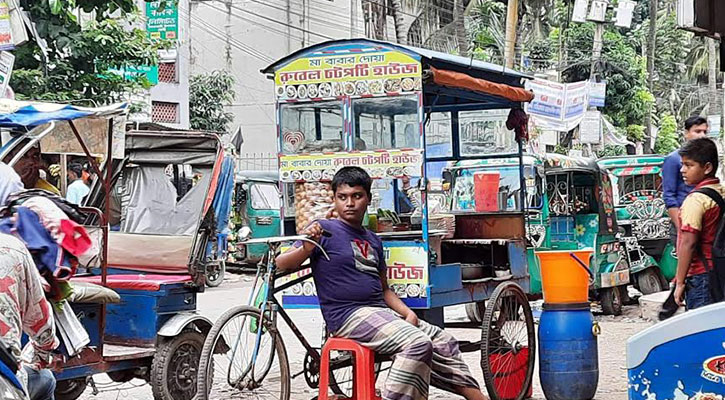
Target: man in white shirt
{"points": [[10, 182], [77, 190]]}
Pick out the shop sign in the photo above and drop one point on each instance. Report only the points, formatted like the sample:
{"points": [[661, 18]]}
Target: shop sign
{"points": [[162, 20], [348, 72], [389, 164]]}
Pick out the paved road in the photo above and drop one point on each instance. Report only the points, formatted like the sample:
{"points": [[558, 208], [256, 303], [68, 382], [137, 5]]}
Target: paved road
{"points": [[212, 303]]}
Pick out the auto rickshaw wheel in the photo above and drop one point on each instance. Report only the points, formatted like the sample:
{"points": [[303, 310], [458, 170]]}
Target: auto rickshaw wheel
{"points": [[175, 366], [215, 274], [650, 281], [70, 389], [508, 344], [611, 300], [475, 311]]}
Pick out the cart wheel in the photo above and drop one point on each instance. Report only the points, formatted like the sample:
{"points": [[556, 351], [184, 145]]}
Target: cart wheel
{"points": [[175, 366], [650, 281], [70, 389], [508, 344], [611, 299], [215, 275], [475, 311]]}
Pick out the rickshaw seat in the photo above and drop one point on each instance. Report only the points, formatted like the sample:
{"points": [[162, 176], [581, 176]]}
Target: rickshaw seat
{"points": [[145, 282], [152, 254]]}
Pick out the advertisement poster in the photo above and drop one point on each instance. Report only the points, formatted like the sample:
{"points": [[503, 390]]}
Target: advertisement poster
{"points": [[590, 129], [597, 94], [162, 23], [407, 276], [379, 164], [6, 33], [7, 61], [348, 72], [557, 106]]}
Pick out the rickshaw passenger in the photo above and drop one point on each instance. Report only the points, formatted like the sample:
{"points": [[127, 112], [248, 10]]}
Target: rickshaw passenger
{"points": [[28, 167], [358, 304], [25, 309]]}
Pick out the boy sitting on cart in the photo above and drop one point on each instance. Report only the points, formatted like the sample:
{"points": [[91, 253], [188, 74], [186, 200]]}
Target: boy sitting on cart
{"points": [[357, 303]]}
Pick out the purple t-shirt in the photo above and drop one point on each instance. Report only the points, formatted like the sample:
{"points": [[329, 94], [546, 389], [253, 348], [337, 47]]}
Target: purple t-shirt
{"points": [[351, 279]]}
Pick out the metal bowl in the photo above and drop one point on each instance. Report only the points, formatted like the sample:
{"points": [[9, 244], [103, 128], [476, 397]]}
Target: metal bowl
{"points": [[472, 271]]}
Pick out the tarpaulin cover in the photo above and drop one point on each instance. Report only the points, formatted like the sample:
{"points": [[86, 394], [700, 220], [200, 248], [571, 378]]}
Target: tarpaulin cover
{"points": [[222, 203], [159, 254], [15, 114], [462, 81], [136, 281], [153, 208]]}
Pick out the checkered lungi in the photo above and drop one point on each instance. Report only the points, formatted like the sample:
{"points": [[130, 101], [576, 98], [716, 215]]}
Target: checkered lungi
{"points": [[421, 355]]}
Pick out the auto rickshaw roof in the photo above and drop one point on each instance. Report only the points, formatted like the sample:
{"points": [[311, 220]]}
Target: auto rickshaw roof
{"points": [[527, 159], [555, 162], [16, 114], [632, 161], [456, 68], [257, 175]]}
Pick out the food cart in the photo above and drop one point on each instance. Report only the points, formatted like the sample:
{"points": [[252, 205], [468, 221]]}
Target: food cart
{"points": [[582, 216], [402, 113], [641, 212], [159, 193]]}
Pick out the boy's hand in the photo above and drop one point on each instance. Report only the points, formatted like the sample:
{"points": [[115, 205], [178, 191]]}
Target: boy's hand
{"points": [[680, 294], [314, 232], [412, 318]]}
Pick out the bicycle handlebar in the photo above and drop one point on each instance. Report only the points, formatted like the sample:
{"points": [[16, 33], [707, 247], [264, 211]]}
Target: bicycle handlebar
{"points": [[269, 241]]}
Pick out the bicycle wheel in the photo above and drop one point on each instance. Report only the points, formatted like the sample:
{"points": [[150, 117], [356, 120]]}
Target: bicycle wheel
{"points": [[225, 369], [508, 344]]}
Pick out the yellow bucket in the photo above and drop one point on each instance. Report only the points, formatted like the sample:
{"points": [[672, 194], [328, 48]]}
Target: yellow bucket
{"points": [[565, 275]]}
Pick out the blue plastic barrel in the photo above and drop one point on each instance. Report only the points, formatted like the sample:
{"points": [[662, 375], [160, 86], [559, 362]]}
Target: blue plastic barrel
{"points": [[568, 356]]}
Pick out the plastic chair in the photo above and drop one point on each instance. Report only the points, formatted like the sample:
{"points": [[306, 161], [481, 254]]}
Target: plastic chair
{"points": [[363, 387]]}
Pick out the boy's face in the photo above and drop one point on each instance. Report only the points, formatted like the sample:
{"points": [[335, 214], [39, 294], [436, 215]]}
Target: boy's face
{"points": [[351, 202], [693, 172]]}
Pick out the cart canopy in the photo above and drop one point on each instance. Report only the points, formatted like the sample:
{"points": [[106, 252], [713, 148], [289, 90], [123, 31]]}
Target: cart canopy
{"points": [[26, 114], [449, 81]]}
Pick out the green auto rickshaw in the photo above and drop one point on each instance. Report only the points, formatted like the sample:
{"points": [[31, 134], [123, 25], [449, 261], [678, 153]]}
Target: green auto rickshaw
{"points": [[257, 205], [643, 219], [582, 216]]}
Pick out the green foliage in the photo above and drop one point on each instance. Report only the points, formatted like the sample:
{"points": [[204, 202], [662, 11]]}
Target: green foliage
{"points": [[487, 27], [611, 150], [635, 133], [76, 66], [667, 138], [208, 95], [559, 149]]}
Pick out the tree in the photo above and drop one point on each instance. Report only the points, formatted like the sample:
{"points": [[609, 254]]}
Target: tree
{"points": [[79, 62], [667, 138], [208, 95]]}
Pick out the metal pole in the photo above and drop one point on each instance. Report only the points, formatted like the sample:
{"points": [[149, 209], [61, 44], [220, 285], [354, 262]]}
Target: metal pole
{"points": [[597, 49], [512, 21], [106, 184]]}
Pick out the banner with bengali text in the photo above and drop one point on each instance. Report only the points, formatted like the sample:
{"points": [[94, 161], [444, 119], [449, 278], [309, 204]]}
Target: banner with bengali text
{"points": [[389, 164]]}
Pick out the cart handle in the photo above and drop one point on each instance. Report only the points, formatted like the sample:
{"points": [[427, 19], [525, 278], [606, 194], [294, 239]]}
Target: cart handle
{"points": [[581, 263]]}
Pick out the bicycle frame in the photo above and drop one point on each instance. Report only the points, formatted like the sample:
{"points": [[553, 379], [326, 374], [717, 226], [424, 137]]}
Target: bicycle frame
{"points": [[270, 302]]}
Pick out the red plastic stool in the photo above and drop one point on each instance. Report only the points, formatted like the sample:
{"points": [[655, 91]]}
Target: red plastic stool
{"points": [[363, 386]]}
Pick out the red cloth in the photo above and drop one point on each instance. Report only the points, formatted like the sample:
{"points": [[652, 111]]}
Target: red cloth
{"points": [[74, 238], [518, 121], [135, 281]]}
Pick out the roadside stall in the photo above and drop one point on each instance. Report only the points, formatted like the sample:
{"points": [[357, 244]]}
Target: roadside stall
{"points": [[149, 253], [641, 212], [582, 217], [370, 104]]}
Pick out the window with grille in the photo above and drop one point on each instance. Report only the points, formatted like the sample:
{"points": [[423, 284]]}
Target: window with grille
{"points": [[164, 112], [167, 72]]}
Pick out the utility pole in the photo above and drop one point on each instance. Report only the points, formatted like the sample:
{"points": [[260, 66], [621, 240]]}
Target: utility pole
{"points": [[512, 21], [597, 49], [651, 44]]}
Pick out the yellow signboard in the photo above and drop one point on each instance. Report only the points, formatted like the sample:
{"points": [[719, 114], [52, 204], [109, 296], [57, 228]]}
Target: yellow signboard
{"points": [[379, 164], [348, 74]]}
